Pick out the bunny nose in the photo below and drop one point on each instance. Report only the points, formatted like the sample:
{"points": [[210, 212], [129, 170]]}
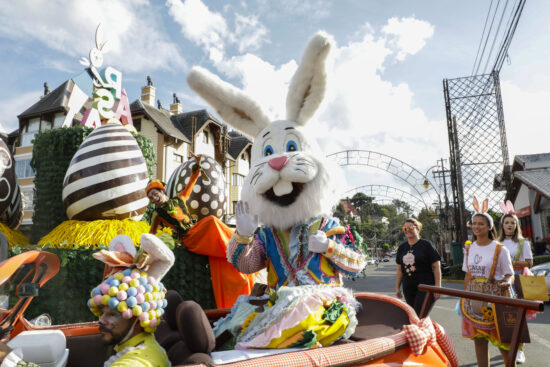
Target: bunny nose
{"points": [[278, 163]]}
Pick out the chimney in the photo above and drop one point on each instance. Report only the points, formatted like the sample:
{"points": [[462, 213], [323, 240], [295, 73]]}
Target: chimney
{"points": [[148, 92], [46, 88], [176, 107]]}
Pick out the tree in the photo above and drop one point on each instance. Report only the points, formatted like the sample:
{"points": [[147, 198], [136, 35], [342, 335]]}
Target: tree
{"points": [[430, 228], [362, 203]]}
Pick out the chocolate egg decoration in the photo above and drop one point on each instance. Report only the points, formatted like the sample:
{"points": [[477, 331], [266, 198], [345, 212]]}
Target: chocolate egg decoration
{"points": [[208, 197], [107, 176], [11, 205]]}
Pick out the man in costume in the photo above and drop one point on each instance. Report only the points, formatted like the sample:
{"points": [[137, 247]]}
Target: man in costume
{"points": [[209, 236]]}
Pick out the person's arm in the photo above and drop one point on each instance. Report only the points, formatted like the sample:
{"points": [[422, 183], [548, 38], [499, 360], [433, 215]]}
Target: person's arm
{"points": [[345, 259], [526, 256], [467, 278], [186, 192], [506, 281], [9, 358], [247, 258], [436, 267], [398, 278]]}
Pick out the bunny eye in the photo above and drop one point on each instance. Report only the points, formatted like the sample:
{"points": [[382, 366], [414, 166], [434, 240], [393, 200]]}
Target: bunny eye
{"points": [[291, 146], [268, 150]]}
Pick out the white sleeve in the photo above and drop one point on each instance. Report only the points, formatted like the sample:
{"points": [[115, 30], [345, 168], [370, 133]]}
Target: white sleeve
{"points": [[12, 359], [504, 264], [526, 253]]}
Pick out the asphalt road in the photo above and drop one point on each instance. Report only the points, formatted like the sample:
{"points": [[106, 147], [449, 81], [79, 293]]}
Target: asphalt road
{"points": [[381, 279]]}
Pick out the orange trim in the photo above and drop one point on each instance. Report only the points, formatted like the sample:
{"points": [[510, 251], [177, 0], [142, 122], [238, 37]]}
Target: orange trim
{"points": [[155, 184], [186, 192]]}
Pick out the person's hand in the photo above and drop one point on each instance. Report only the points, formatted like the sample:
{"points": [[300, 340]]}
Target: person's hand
{"points": [[4, 351], [398, 293], [504, 284], [318, 242], [246, 224], [436, 296]]}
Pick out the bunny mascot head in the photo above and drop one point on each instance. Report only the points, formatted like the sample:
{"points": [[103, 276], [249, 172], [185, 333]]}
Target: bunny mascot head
{"points": [[289, 181]]}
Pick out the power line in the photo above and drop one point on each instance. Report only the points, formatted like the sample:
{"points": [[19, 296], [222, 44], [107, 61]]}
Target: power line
{"points": [[482, 34], [495, 37], [486, 39], [510, 34]]}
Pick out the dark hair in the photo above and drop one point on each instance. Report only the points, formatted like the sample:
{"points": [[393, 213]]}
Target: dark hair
{"points": [[517, 236], [492, 231]]}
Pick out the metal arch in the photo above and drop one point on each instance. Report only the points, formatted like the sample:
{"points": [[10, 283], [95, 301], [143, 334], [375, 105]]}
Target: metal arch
{"points": [[392, 165], [390, 192]]}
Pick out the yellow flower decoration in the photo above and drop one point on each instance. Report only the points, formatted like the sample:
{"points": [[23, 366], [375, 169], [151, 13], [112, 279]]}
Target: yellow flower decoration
{"points": [[468, 243], [166, 230], [248, 321], [487, 312]]}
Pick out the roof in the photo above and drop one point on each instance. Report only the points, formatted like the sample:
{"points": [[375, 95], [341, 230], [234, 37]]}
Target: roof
{"points": [[538, 180], [184, 121], [532, 161], [237, 144], [349, 208], [160, 117], [54, 101]]}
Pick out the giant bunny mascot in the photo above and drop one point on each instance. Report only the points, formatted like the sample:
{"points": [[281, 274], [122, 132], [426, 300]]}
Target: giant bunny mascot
{"points": [[290, 191]]}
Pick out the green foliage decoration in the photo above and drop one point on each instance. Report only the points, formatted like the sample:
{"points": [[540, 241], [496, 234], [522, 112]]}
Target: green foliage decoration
{"points": [[52, 153]]}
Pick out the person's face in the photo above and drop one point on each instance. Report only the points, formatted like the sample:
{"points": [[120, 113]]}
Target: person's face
{"points": [[113, 327], [157, 197], [410, 230], [480, 226], [509, 225]]}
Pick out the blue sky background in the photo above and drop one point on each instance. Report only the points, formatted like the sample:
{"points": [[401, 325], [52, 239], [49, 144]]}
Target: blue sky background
{"points": [[385, 92]]}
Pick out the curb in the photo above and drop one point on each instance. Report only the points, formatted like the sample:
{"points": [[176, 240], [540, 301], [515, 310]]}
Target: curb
{"points": [[452, 280]]}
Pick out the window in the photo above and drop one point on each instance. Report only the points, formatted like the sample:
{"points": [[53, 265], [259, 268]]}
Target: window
{"points": [[137, 124], [238, 179], [23, 168], [28, 197], [58, 121], [178, 158]]}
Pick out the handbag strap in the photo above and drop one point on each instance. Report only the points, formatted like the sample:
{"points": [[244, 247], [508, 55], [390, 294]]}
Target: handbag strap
{"points": [[495, 261], [520, 250]]}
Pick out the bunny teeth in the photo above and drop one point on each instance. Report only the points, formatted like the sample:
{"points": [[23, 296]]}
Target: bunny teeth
{"points": [[282, 187]]}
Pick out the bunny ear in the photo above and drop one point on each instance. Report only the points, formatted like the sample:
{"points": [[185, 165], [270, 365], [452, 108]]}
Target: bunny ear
{"points": [[122, 243], [232, 104], [308, 85], [510, 207], [485, 206], [162, 258], [503, 207], [476, 205], [98, 36]]}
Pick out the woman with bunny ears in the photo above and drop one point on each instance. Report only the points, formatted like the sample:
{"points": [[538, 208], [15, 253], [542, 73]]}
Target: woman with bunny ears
{"points": [[510, 236], [520, 249], [488, 269], [291, 191]]}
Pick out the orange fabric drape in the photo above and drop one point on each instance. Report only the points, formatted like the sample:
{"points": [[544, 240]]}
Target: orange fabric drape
{"points": [[210, 237]]}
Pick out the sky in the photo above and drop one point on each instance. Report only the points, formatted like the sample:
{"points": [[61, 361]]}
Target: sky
{"points": [[385, 73]]}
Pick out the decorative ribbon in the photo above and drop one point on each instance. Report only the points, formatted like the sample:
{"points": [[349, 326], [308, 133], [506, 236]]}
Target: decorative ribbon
{"points": [[419, 335]]}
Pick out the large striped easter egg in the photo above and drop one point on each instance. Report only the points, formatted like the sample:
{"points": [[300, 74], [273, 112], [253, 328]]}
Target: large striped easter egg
{"points": [[208, 197], [107, 176], [11, 205]]}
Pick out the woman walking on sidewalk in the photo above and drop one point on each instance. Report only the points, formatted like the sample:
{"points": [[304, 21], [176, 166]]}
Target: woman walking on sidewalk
{"points": [[418, 262], [520, 249], [488, 269]]}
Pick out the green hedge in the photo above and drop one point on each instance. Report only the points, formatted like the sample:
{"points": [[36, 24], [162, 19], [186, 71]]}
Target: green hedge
{"points": [[541, 259], [64, 296], [52, 153]]}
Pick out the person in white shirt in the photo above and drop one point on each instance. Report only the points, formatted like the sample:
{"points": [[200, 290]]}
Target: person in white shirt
{"points": [[488, 269]]}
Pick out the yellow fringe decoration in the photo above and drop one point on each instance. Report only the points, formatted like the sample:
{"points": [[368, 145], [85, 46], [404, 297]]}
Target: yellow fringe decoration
{"points": [[75, 233], [14, 236]]}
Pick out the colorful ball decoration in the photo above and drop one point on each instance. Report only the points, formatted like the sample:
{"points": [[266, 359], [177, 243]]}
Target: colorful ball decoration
{"points": [[107, 176], [126, 302], [208, 197], [11, 205]]}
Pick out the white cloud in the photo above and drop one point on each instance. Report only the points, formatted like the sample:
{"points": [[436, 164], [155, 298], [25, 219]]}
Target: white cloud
{"points": [[10, 108], [133, 31], [527, 124], [410, 33], [249, 32]]}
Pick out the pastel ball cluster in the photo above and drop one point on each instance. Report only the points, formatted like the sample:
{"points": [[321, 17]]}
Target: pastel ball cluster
{"points": [[132, 293]]}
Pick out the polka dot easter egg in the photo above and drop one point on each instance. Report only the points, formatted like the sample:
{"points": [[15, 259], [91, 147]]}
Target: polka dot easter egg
{"points": [[208, 197], [107, 176]]}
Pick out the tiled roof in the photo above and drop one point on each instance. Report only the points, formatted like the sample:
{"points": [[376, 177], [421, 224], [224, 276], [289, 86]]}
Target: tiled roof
{"points": [[160, 117], [184, 121], [349, 208], [538, 180], [54, 101], [237, 143], [532, 161]]}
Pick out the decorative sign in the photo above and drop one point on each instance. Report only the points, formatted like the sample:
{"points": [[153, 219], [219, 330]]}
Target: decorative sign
{"points": [[523, 212], [104, 86]]}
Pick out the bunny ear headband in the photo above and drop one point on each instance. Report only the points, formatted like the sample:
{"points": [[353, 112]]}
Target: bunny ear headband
{"points": [[483, 211], [507, 209]]}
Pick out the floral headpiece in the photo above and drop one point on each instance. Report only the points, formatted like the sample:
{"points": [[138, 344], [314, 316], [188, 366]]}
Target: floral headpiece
{"points": [[131, 282], [483, 211], [507, 209]]}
